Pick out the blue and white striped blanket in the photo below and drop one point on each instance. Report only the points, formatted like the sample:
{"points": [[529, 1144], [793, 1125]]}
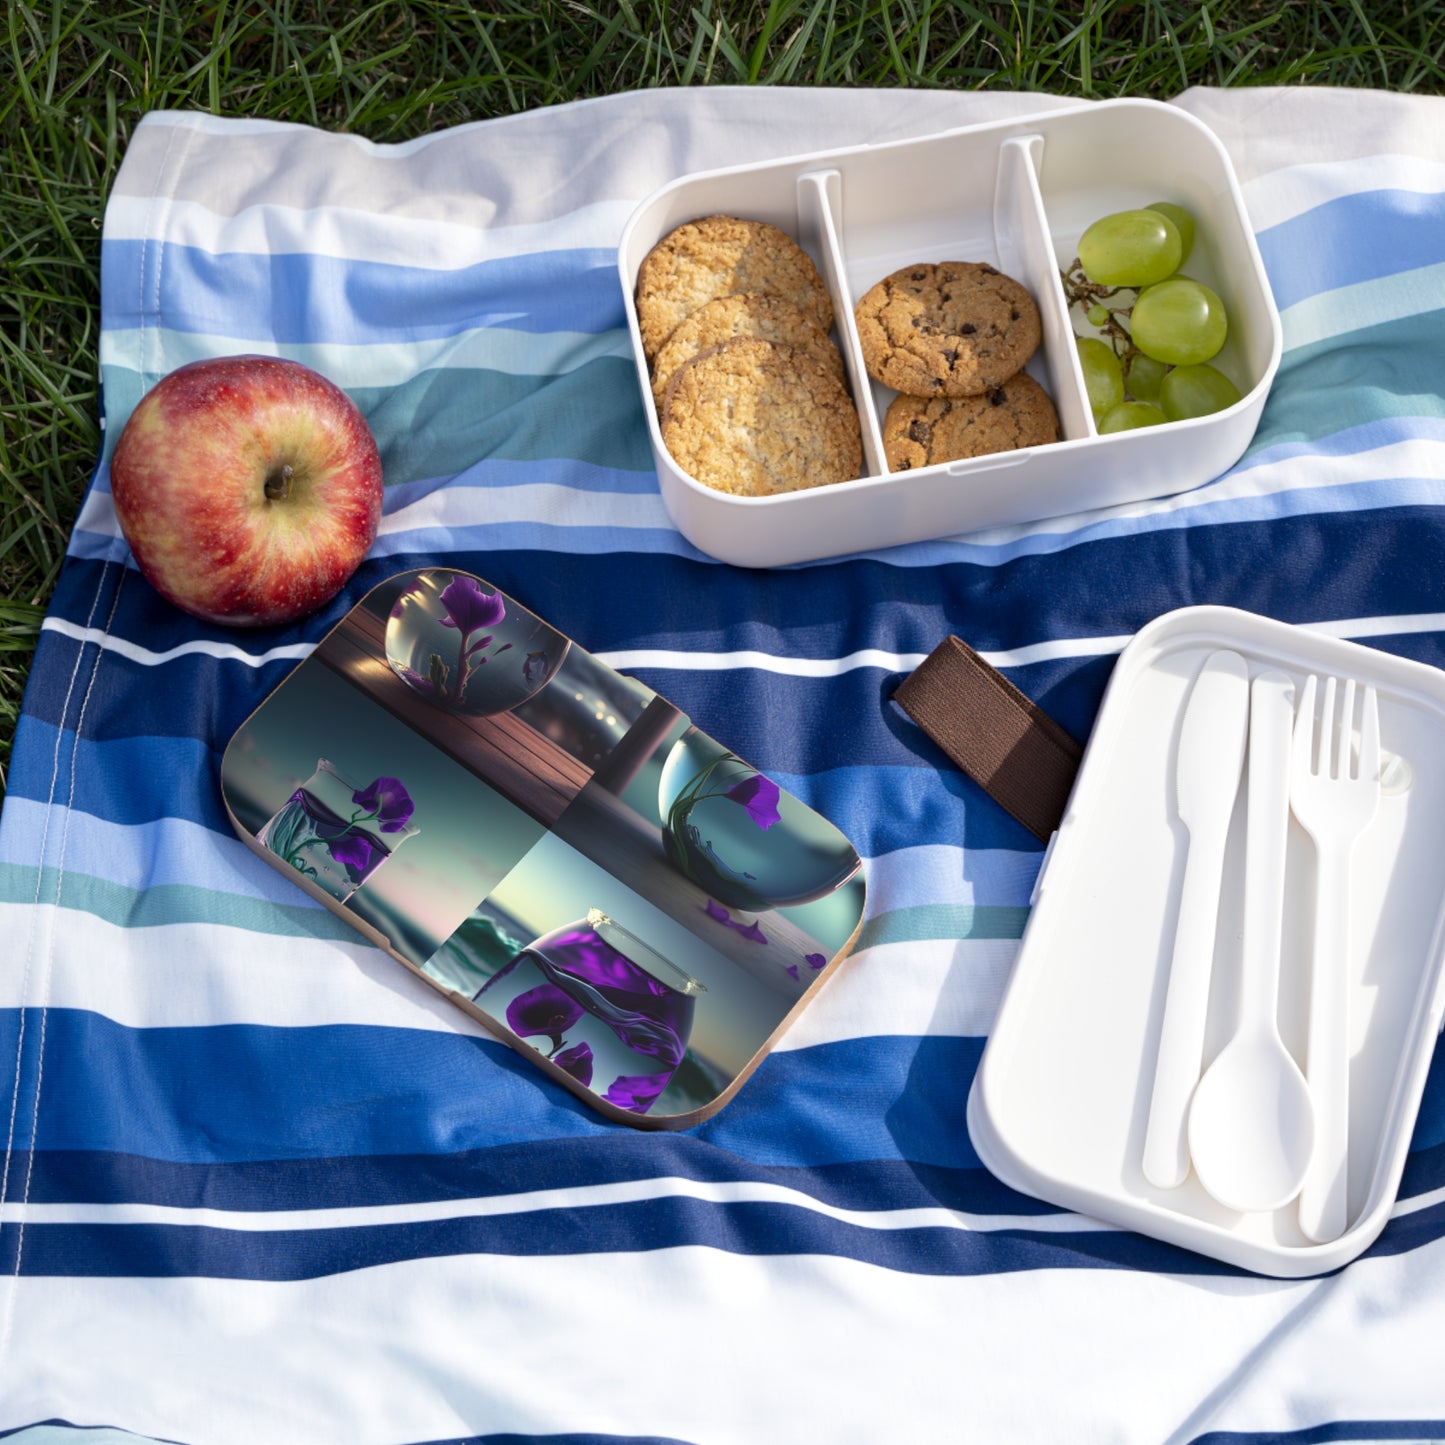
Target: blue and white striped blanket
{"points": [[259, 1184]]}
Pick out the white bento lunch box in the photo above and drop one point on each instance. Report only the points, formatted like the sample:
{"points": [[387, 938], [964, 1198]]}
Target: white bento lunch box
{"points": [[1016, 195], [1061, 1102]]}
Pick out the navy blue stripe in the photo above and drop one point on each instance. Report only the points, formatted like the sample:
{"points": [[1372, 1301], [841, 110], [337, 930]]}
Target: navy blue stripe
{"points": [[1430, 1126], [1339, 565], [195, 697], [57, 1176], [751, 1228], [298, 297], [570, 1438], [1353, 238], [85, 596], [508, 1438], [204, 698], [787, 726], [1417, 1432], [1343, 566], [1424, 1170], [1410, 1231], [72, 1177], [754, 1229]]}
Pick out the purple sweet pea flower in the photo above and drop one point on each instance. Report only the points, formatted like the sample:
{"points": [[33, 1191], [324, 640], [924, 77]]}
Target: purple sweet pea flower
{"points": [[388, 803], [759, 795], [815, 960], [791, 970], [636, 1092], [576, 1061], [543, 1010], [469, 609], [352, 850]]}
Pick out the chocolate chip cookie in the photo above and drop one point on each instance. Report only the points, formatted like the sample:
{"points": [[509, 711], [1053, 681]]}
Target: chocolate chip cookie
{"points": [[954, 328], [749, 313], [918, 432], [752, 417], [717, 256]]}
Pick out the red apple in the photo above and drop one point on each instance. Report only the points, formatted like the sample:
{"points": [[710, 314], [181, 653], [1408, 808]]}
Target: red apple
{"points": [[248, 488]]}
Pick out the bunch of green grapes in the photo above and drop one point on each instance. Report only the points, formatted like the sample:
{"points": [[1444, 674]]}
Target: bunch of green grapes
{"points": [[1153, 366]]}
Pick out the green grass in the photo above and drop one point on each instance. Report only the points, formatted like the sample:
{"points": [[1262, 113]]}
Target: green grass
{"points": [[76, 77]]}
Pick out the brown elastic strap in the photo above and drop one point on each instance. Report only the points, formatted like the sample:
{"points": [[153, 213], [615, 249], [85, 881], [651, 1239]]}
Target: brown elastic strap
{"points": [[1008, 745]]}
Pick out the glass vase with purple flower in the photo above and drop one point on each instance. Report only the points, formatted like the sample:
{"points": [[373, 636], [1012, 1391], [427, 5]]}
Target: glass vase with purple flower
{"points": [[336, 834], [468, 648], [601, 1005], [739, 837]]}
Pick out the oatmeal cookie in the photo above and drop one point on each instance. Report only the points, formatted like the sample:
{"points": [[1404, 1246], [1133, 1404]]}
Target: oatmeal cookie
{"points": [[918, 432], [955, 328], [748, 313], [752, 417], [717, 256]]}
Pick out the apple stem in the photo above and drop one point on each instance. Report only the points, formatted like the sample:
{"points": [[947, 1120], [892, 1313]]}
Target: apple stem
{"points": [[278, 484]]}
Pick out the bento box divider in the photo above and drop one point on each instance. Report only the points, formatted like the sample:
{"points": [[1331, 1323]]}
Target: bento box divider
{"points": [[1025, 250], [820, 222]]}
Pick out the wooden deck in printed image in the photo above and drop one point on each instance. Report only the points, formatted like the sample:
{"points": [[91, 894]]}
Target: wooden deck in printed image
{"points": [[527, 768]]}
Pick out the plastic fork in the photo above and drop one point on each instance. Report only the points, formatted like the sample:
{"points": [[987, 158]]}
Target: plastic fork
{"points": [[1334, 793]]}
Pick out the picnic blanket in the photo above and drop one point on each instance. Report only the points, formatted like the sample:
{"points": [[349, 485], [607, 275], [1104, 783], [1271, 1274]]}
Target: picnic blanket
{"points": [[260, 1184]]}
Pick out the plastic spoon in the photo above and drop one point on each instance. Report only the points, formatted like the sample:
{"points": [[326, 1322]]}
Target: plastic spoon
{"points": [[1211, 755], [1251, 1122]]}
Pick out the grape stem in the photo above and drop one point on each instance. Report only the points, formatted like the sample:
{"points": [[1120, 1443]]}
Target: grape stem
{"points": [[1086, 295]]}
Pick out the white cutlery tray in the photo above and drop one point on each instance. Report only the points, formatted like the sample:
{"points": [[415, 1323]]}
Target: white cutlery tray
{"points": [[1060, 1104], [1017, 195]]}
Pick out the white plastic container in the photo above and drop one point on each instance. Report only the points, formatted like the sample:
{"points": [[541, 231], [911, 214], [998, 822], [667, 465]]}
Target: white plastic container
{"points": [[1016, 195], [1060, 1104]]}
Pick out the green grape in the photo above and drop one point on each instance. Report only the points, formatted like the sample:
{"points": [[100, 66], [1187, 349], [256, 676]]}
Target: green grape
{"points": [[1129, 415], [1179, 322], [1144, 376], [1183, 223], [1098, 315], [1196, 391], [1130, 248], [1103, 376]]}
